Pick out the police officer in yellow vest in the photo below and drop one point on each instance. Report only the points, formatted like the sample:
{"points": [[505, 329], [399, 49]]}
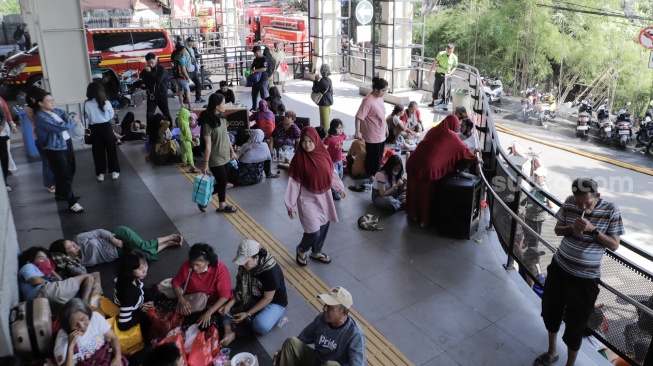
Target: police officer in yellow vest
{"points": [[446, 63]]}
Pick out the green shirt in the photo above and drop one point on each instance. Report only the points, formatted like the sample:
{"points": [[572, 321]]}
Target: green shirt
{"points": [[220, 144], [535, 212], [446, 63]]}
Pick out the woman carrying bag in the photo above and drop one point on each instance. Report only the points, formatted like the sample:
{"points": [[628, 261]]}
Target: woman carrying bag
{"points": [[323, 85], [99, 113]]}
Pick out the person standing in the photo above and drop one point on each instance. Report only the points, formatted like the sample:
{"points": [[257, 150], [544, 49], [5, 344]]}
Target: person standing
{"points": [[20, 36], [181, 74], [193, 68], [589, 225], [218, 150], [99, 114], [322, 84], [30, 109], [7, 126], [52, 125], [446, 63], [371, 126], [279, 56], [260, 65], [156, 82], [309, 192]]}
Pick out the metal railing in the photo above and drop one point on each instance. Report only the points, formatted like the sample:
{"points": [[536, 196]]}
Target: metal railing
{"points": [[623, 318]]}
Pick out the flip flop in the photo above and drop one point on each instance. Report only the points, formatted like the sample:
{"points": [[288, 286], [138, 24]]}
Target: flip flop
{"points": [[299, 260], [321, 257], [202, 208], [545, 360], [357, 188], [227, 209], [273, 176]]}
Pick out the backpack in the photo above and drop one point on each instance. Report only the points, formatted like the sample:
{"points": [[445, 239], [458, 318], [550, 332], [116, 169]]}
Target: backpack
{"points": [[176, 65], [270, 66]]}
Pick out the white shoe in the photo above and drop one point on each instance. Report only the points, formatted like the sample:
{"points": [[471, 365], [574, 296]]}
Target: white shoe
{"points": [[115, 175], [9, 189], [100, 177]]}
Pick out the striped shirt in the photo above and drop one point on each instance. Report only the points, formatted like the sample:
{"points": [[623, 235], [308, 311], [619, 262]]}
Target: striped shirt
{"points": [[581, 255], [129, 298]]}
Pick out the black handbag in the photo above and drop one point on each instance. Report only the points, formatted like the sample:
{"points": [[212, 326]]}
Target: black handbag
{"points": [[88, 135]]}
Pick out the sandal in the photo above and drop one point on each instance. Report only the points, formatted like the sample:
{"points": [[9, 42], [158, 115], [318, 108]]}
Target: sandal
{"points": [[273, 176], [322, 257], [76, 208], [193, 170], [545, 360], [227, 209], [302, 261], [202, 208]]}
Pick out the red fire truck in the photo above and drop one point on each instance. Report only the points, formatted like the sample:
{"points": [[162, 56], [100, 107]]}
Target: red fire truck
{"points": [[269, 25]]}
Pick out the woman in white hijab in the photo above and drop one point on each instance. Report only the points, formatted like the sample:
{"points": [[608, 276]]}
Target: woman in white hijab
{"points": [[252, 158]]}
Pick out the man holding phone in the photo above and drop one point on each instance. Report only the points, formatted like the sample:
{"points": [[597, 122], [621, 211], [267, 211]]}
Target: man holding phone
{"points": [[588, 225]]}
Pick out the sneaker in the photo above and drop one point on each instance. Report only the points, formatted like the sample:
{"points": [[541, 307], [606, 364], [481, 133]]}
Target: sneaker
{"points": [[199, 100], [115, 175], [9, 188], [432, 104], [76, 208], [100, 177]]}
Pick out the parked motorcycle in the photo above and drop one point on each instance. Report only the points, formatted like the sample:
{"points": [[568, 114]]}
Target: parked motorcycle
{"points": [[547, 108], [493, 88], [623, 128], [603, 123], [584, 120], [645, 128]]}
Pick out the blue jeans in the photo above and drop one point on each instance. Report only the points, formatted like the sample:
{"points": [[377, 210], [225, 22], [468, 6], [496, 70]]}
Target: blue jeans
{"points": [[338, 166], [314, 241], [264, 320], [183, 86]]}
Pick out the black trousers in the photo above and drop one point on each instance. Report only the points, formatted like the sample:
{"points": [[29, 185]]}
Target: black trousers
{"points": [[4, 156], [220, 187], [373, 157], [162, 103], [104, 148], [569, 297], [63, 167], [260, 88], [195, 76], [440, 83]]}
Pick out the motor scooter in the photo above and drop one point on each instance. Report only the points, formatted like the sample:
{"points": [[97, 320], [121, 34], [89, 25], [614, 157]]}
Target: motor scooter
{"points": [[493, 88], [547, 108], [603, 123], [645, 132], [623, 128], [584, 120]]}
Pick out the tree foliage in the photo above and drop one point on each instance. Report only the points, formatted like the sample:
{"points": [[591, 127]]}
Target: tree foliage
{"points": [[9, 7], [526, 44]]}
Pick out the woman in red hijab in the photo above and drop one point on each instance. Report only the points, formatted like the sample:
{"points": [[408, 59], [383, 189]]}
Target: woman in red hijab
{"points": [[439, 153], [309, 193]]}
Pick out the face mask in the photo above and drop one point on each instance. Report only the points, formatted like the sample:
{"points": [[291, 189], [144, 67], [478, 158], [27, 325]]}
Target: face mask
{"points": [[46, 267]]}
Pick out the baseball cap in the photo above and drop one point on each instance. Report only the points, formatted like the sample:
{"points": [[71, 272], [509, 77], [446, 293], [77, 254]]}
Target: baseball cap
{"points": [[337, 296], [541, 172], [246, 250], [451, 45]]}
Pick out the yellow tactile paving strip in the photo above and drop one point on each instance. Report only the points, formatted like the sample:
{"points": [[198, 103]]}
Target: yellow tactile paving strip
{"points": [[576, 151], [380, 351]]}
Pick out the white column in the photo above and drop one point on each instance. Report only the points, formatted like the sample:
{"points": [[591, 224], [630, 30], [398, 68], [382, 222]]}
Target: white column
{"points": [[328, 26], [400, 35]]}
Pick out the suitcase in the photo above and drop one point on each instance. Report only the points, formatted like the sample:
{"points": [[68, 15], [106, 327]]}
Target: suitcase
{"points": [[458, 205], [31, 328]]}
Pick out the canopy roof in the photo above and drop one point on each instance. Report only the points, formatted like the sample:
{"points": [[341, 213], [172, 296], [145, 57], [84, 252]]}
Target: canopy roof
{"points": [[119, 4]]}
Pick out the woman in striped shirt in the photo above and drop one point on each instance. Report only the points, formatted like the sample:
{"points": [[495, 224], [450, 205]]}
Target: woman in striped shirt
{"points": [[129, 294]]}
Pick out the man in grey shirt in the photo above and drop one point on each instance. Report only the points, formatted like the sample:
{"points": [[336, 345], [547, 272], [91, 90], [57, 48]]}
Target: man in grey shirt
{"points": [[338, 339]]}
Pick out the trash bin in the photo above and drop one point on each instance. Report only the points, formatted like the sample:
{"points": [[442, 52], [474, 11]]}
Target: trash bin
{"points": [[462, 97], [28, 137]]}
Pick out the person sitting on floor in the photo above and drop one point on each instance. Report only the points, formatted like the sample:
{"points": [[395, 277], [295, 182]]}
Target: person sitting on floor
{"points": [[274, 100], [166, 354], [338, 339], [227, 93], [253, 159], [396, 126], [163, 149], [103, 246], [263, 119], [286, 134], [260, 297], [413, 119], [356, 159], [467, 135], [389, 189], [131, 129], [129, 295], [37, 278]]}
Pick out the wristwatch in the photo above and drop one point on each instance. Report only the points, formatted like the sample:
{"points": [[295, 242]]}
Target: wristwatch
{"points": [[595, 232]]}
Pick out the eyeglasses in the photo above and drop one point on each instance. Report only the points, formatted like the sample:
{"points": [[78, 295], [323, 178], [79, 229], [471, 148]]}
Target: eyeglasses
{"points": [[48, 100]]}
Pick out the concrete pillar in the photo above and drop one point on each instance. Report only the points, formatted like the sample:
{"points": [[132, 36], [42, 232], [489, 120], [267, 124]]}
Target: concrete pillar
{"points": [[327, 26], [399, 35], [9, 273]]}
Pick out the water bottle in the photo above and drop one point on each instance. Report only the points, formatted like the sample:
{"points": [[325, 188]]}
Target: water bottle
{"points": [[282, 155], [274, 155], [234, 163]]}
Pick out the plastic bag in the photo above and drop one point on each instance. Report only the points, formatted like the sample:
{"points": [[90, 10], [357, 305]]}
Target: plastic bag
{"points": [[191, 333], [213, 337], [163, 322], [179, 342], [200, 353]]}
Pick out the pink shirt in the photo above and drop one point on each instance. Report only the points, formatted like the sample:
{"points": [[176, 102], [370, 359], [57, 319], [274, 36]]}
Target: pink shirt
{"points": [[372, 114], [314, 210], [334, 147]]}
